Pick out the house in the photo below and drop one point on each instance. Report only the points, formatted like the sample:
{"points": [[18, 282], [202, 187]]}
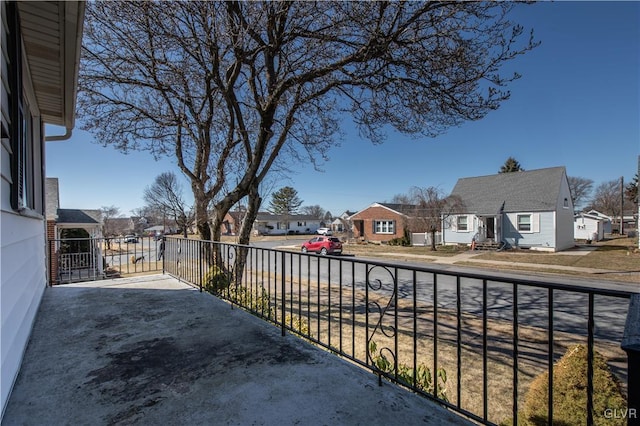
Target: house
{"points": [[232, 222], [58, 220], [528, 209], [589, 227], [341, 223], [271, 224], [605, 219], [40, 59], [279, 224], [381, 221]]}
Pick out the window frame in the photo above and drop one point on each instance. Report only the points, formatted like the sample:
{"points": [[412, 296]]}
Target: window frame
{"points": [[530, 223], [384, 226], [459, 224]]}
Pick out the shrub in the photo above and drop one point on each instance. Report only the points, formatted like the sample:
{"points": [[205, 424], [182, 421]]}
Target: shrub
{"points": [[404, 241], [424, 379], [299, 325], [216, 280], [570, 392]]}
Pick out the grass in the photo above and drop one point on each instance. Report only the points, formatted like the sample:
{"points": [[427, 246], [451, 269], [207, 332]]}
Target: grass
{"points": [[338, 317], [618, 255], [373, 249]]}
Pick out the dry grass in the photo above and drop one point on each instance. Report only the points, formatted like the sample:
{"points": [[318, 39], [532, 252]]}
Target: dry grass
{"points": [[618, 255], [338, 318], [373, 249]]}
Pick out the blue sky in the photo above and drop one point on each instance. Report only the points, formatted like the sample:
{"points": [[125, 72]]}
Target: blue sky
{"points": [[577, 105]]}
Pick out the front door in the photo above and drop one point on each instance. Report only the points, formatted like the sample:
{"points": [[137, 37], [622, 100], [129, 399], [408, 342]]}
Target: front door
{"points": [[490, 224]]}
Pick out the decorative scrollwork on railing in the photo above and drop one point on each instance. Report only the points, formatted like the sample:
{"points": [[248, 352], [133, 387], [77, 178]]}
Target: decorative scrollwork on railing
{"points": [[382, 360]]}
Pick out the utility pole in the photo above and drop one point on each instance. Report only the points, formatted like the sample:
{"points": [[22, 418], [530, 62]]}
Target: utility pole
{"points": [[621, 205]]}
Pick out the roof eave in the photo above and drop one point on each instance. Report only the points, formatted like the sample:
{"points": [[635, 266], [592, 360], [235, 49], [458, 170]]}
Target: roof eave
{"points": [[66, 32]]}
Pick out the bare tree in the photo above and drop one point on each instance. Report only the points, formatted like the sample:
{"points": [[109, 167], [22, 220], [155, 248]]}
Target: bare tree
{"points": [[401, 199], [315, 211], [109, 226], [580, 189], [229, 87], [606, 198], [165, 195], [431, 207]]}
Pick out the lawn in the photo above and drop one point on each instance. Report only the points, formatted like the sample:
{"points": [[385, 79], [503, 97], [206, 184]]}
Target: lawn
{"points": [[619, 255]]}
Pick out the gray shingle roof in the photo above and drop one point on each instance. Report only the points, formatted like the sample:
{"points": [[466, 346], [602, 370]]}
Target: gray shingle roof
{"points": [[405, 209], [528, 191], [79, 216]]}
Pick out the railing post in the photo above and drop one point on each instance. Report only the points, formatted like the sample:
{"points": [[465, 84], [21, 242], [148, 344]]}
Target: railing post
{"points": [[631, 345], [282, 293]]}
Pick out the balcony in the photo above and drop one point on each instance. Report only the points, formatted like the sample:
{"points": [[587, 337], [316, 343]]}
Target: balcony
{"points": [[160, 348], [153, 350]]}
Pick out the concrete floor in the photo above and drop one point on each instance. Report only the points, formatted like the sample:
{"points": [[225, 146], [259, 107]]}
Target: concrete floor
{"points": [[151, 350]]}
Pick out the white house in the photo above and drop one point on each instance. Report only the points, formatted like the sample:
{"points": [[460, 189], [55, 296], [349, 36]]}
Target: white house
{"points": [[606, 220], [277, 224], [528, 209], [40, 58], [341, 223], [589, 227]]}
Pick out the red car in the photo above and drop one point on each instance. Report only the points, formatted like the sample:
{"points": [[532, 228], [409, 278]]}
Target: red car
{"points": [[323, 245]]}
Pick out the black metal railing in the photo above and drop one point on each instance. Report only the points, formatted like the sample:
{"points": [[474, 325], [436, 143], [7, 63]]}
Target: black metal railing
{"points": [[82, 259], [474, 342]]}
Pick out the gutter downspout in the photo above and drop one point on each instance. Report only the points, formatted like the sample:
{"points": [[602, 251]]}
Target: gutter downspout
{"points": [[56, 138]]}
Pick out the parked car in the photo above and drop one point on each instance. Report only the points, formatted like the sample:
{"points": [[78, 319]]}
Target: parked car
{"points": [[130, 239], [323, 231], [323, 245]]}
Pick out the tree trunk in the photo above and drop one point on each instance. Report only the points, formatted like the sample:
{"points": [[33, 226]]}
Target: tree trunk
{"points": [[252, 212], [202, 218], [245, 232], [433, 239]]}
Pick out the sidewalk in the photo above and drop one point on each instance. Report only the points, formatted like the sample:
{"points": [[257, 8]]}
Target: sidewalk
{"points": [[468, 257]]}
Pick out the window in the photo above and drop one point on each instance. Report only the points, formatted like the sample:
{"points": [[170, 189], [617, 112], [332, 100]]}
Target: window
{"points": [[462, 223], [383, 227], [524, 222], [566, 203], [21, 129]]}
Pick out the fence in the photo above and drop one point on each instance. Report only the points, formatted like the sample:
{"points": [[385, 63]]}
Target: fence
{"points": [[82, 259], [424, 239], [475, 343]]}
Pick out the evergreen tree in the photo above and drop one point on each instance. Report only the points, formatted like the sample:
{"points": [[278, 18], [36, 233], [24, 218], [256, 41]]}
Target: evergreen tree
{"points": [[285, 201], [631, 190], [511, 165]]}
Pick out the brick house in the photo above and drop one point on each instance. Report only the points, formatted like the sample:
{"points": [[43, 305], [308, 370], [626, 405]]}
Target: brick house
{"points": [[381, 221]]}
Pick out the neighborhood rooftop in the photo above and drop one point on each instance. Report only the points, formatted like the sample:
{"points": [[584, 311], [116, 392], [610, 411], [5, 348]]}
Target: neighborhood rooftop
{"points": [[532, 191]]}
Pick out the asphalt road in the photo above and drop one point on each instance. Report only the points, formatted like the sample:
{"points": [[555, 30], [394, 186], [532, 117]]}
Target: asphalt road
{"points": [[570, 302]]}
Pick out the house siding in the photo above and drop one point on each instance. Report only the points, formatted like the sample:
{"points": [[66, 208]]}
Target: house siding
{"points": [[22, 246], [586, 228], [544, 238], [565, 238], [369, 216], [22, 286], [453, 236]]}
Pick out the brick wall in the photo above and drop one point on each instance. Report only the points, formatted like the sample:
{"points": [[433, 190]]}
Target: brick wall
{"points": [[364, 221], [51, 252]]}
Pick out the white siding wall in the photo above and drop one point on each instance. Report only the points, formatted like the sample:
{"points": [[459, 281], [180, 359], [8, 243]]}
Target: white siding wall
{"points": [[22, 285], [452, 235], [22, 242], [586, 227], [542, 234]]}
